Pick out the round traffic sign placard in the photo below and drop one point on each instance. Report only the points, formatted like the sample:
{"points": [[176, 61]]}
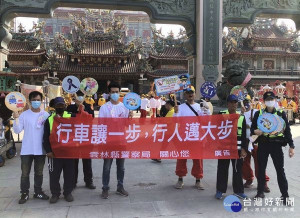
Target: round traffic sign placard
{"points": [[15, 101], [89, 86], [267, 122], [71, 84], [208, 90], [132, 101]]}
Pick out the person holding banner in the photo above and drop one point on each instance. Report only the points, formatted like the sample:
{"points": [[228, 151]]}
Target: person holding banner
{"points": [[31, 121], [86, 163], [114, 109], [170, 112], [223, 164], [57, 165], [269, 144], [188, 109]]}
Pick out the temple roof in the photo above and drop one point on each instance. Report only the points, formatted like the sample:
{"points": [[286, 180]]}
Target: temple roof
{"points": [[271, 32], [23, 48], [271, 36], [64, 13], [28, 70], [172, 53], [67, 66], [103, 48], [236, 51]]}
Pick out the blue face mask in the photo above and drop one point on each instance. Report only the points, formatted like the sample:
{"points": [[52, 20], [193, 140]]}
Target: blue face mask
{"points": [[36, 104], [115, 96]]}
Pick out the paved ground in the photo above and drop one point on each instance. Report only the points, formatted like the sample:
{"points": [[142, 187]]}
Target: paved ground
{"points": [[152, 193]]}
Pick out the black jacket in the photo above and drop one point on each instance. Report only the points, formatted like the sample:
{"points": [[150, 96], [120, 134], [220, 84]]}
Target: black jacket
{"points": [[46, 136], [287, 132], [73, 108]]}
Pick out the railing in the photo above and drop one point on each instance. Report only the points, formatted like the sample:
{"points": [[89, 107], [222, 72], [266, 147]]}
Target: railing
{"points": [[277, 72]]}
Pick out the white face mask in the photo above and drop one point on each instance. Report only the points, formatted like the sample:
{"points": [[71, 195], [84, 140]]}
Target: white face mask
{"points": [[80, 98], [270, 103]]}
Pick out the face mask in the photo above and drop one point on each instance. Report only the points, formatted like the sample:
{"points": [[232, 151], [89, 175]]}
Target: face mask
{"points": [[115, 96], [80, 98], [270, 103], [36, 104], [59, 110]]}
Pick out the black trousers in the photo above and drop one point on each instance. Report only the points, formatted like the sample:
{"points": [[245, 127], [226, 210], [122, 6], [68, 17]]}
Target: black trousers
{"points": [[263, 152], [26, 162], [58, 165], [87, 171], [222, 175]]}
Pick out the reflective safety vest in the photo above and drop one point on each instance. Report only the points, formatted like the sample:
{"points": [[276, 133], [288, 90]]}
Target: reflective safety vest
{"points": [[267, 134], [239, 128], [51, 118]]}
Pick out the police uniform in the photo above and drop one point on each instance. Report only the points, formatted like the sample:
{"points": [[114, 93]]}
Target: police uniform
{"points": [[272, 145], [57, 165], [237, 164]]}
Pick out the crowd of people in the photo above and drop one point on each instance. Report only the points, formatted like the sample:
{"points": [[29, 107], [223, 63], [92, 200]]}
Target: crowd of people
{"points": [[281, 103], [36, 146]]}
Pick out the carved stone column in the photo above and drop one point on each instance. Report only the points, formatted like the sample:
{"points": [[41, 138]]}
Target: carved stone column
{"points": [[5, 37], [209, 42]]}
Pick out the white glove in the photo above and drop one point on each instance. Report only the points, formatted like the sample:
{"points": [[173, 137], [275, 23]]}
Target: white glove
{"points": [[250, 146], [204, 103]]}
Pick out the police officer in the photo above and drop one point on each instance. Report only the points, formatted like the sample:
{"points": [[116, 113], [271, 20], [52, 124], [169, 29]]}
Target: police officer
{"points": [[57, 165], [272, 145], [223, 164]]}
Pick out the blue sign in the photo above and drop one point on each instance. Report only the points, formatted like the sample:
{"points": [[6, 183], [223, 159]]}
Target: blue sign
{"points": [[132, 101], [208, 90], [280, 127], [267, 122]]}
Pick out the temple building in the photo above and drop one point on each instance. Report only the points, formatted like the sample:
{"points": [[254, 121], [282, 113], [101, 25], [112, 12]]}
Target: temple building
{"points": [[100, 52], [26, 58], [104, 52], [170, 56], [137, 23], [270, 51]]}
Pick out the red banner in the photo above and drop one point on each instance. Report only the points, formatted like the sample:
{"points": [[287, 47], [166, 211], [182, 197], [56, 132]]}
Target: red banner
{"points": [[204, 137]]}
